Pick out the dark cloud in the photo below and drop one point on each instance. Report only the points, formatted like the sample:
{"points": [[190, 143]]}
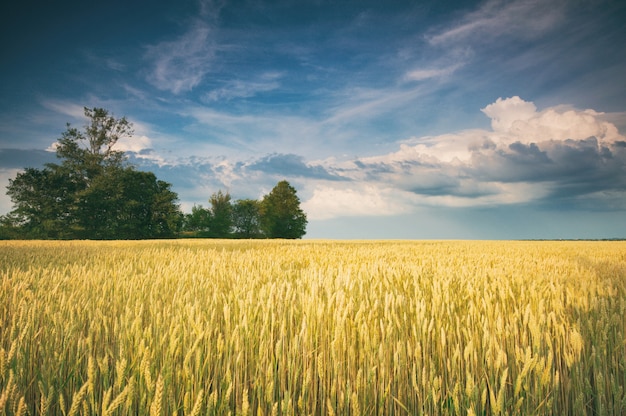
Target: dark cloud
{"points": [[569, 168], [517, 163], [548, 161], [186, 176], [379, 167], [291, 165], [19, 158], [528, 153]]}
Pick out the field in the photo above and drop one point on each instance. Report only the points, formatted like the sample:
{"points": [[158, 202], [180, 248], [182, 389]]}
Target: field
{"points": [[312, 327]]}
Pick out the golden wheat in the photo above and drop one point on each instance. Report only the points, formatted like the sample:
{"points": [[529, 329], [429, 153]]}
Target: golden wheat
{"points": [[312, 327]]}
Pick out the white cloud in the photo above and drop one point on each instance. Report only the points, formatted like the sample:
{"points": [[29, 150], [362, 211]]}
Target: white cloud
{"points": [[354, 200], [134, 144], [254, 134], [519, 121], [364, 103], [181, 64], [503, 113], [70, 109], [561, 125], [422, 74], [210, 9], [618, 119], [528, 156], [244, 88], [494, 18]]}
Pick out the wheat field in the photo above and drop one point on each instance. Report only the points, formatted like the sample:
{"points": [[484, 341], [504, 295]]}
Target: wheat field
{"points": [[218, 327]]}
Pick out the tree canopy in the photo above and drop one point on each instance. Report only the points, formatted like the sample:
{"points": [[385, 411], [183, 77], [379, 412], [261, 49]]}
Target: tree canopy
{"points": [[281, 216], [277, 215], [94, 192]]}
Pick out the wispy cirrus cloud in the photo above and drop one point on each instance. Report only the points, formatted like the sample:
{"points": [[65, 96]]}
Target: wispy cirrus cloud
{"points": [[421, 74], [180, 65], [354, 104], [64, 107], [245, 88], [495, 18], [252, 133]]}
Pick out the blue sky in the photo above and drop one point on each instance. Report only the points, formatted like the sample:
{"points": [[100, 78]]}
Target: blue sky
{"points": [[396, 119]]}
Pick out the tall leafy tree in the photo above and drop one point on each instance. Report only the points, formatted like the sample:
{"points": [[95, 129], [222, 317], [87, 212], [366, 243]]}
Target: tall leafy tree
{"points": [[247, 218], [44, 203], [221, 215], [166, 216], [93, 192], [281, 215]]}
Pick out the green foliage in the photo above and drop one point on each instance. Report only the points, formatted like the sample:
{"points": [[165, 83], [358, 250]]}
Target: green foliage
{"points": [[198, 221], [221, 215], [281, 216], [43, 202], [278, 215], [93, 193], [247, 218]]}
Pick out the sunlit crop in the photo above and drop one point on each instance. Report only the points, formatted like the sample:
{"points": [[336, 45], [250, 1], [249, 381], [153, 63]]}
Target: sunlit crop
{"points": [[312, 327]]}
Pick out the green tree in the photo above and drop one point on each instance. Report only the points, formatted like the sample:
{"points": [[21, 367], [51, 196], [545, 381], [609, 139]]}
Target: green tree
{"points": [[247, 218], [165, 214], [93, 193], [86, 153], [281, 215], [10, 227], [198, 221], [221, 215], [43, 203], [128, 204]]}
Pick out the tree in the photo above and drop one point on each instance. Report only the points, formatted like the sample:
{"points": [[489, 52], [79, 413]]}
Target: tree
{"points": [[166, 216], [87, 153], [43, 203], [10, 228], [93, 193], [247, 218], [281, 216], [198, 221], [221, 215]]}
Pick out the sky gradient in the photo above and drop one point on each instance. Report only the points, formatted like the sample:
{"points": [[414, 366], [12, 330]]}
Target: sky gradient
{"points": [[396, 119]]}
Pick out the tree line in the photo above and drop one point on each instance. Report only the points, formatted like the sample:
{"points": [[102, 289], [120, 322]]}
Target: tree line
{"points": [[276, 215], [95, 193]]}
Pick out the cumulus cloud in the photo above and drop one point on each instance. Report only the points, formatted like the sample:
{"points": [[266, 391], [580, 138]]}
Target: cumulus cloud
{"points": [[355, 200], [529, 156], [503, 113], [135, 144]]}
